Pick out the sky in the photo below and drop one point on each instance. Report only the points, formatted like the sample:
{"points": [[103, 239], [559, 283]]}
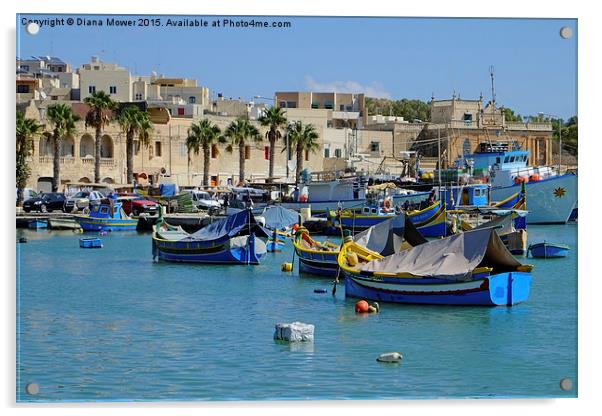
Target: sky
{"points": [[535, 68]]}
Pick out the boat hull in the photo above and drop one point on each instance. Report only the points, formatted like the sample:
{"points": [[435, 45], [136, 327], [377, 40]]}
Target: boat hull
{"points": [[273, 246], [548, 251], [197, 252], [106, 224], [322, 263], [504, 289], [549, 201]]}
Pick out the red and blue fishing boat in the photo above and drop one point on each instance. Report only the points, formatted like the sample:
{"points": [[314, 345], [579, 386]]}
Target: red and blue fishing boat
{"points": [[471, 268]]}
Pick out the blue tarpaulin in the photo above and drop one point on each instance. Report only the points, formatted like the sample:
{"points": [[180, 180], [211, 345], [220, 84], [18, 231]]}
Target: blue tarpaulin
{"points": [[241, 223], [167, 189]]}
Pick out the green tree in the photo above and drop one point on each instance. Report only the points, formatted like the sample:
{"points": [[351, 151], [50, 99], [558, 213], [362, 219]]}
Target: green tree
{"points": [[99, 116], [203, 135], [62, 119], [303, 138], [410, 110], [27, 129], [239, 132], [511, 116], [134, 122], [275, 118]]}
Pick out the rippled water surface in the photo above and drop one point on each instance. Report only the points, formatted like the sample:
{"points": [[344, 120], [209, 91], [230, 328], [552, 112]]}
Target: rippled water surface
{"points": [[109, 324]]}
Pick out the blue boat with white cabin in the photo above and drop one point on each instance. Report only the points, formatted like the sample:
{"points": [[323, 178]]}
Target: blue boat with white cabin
{"points": [[552, 196]]}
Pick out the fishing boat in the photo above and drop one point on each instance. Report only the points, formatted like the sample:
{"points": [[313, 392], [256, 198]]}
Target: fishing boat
{"points": [[93, 242], [548, 250], [430, 221], [37, 224], [230, 240], [63, 224], [471, 268], [106, 217], [552, 196], [320, 257]]}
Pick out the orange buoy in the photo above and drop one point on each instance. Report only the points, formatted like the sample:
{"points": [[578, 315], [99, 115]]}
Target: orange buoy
{"points": [[362, 307], [295, 227]]}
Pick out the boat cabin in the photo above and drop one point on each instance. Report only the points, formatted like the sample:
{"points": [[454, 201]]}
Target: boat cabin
{"points": [[476, 195], [108, 211]]}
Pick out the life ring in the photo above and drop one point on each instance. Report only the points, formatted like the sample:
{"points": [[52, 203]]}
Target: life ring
{"points": [[387, 205]]}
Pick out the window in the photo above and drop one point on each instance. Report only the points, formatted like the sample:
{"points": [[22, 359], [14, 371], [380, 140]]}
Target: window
{"points": [[266, 152], [374, 146], [326, 153], [104, 210], [214, 151], [291, 104], [282, 104], [497, 160], [306, 155], [477, 192], [342, 107], [467, 118], [192, 100], [136, 147], [180, 111], [22, 89], [91, 89], [349, 108], [337, 153], [25, 68], [112, 89], [182, 150], [247, 152], [138, 96], [158, 149], [506, 159], [466, 146], [315, 104], [328, 105], [59, 69]]}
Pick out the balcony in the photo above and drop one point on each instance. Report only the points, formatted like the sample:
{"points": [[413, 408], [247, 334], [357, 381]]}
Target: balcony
{"points": [[62, 159], [104, 161]]}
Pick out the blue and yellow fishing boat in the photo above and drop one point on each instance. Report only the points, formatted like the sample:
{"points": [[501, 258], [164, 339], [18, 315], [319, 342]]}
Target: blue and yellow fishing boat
{"points": [[320, 257], [471, 268], [231, 240], [106, 217]]}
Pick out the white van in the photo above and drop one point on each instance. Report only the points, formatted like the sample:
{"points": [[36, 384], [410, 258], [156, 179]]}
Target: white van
{"points": [[202, 199]]}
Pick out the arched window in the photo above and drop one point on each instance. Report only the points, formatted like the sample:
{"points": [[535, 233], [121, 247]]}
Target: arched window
{"points": [[68, 147], [86, 146], [106, 146]]}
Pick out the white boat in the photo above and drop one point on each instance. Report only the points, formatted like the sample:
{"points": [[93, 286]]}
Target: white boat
{"points": [[550, 197]]}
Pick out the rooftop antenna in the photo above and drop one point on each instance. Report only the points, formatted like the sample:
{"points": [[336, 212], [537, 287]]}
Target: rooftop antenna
{"points": [[492, 73]]}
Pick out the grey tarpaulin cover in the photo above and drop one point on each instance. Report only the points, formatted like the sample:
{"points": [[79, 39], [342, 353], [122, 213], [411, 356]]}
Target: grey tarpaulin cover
{"points": [[386, 237], [451, 258], [277, 217], [241, 223]]}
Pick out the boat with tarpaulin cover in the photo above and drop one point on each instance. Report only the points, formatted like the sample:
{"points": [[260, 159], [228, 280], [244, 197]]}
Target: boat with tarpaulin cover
{"points": [[230, 240], [471, 268]]}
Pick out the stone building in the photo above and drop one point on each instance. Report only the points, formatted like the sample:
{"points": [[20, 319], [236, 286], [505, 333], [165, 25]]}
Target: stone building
{"points": [[461, 126]]}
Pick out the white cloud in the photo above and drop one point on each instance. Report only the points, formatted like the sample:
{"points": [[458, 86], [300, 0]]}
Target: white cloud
{"points": [[374, 89]]}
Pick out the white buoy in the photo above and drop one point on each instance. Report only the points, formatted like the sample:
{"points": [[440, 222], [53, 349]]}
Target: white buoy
{"points": [[389, 357]]}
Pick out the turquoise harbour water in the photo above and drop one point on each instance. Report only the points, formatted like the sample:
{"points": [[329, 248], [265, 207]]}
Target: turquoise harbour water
{"points": [[111, 325]]}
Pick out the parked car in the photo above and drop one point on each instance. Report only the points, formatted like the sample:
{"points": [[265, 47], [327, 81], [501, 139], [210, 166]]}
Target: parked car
{"points": [[81, 200], [203, 200], [28, 193], [136, 205], [47, 202]]}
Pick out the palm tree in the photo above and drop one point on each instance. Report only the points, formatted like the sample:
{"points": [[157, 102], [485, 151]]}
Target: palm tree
{"points": [[134, 122], [304, 138], [275, 118], [27, 130], [98, 116], [203, 135], [239, 132], [62, 120]]}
